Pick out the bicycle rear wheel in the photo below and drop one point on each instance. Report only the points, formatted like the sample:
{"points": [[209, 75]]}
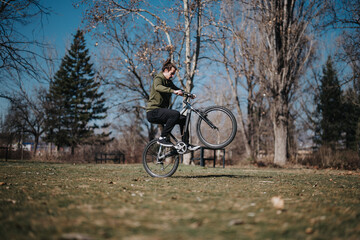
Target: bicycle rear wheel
{"points": [[160, 161], [224, 130]]}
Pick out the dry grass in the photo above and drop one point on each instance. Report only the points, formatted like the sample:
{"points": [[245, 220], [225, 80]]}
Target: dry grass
{"points": [[327, 158], [88, 201]]}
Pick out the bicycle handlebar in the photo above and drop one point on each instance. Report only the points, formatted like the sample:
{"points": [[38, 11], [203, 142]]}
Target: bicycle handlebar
{"points": [[188, 95]]}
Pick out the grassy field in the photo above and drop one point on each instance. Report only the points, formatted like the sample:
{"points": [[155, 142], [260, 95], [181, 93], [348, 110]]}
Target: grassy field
{"points": [[108, 201]]}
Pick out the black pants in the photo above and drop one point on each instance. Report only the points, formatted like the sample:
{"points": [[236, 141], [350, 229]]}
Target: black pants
{"points": [[167, 117]]}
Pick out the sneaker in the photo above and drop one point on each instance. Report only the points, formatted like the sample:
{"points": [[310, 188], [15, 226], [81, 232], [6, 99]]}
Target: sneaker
{"points": [[163, 141], [193, 148]]}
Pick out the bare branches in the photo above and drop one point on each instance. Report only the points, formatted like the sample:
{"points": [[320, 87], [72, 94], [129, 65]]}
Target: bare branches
{"points": [[276, 53], [17, 52], [345, 15], [135, 38], [27, 113]]}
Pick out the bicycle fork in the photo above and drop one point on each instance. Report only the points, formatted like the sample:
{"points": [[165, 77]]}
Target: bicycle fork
{"points": [[203, 117]]}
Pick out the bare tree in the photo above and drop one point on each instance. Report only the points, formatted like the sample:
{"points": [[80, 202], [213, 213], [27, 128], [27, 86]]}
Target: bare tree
{"points": [[28, 114], [172, 38], [127, 66], [17, 51], [140, 35], [345, 15], [9, 132], [287, 48], [342, 14], [234, 42]]}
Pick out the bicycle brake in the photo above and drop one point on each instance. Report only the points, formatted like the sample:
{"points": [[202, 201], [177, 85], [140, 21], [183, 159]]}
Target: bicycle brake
{"points": [[202, 113]]}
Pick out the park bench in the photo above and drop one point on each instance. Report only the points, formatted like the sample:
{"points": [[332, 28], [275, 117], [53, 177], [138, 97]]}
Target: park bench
{"points": [[202, 157], [113, 156], [4, 153]]}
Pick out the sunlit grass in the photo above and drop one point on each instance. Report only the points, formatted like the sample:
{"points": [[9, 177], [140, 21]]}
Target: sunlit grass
{"points": [[113, 201]]}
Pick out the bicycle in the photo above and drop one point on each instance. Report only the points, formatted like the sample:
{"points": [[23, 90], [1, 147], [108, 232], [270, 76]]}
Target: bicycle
{"points": [[216, 128]]}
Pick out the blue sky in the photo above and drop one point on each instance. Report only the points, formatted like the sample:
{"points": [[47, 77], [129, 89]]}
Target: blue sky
{"points": [[61, 24], [57, 29]]}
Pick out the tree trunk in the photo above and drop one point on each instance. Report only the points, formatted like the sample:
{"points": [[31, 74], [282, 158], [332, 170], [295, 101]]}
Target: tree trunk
{"points": [[189, 83], [251, 121], [240, 115], [280, 119], [36, 143], [280, 132], [191, 63], [242, 128]]}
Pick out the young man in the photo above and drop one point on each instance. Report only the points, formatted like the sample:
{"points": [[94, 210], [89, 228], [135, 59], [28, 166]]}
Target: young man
{"points": [[157, 110]]}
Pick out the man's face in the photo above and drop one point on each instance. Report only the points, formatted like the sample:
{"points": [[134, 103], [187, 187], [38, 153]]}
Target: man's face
{"points": [[169, 74]]}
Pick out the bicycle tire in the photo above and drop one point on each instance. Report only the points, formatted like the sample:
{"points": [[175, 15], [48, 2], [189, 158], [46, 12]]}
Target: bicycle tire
{"points": [[222, 118], [156, 167]]}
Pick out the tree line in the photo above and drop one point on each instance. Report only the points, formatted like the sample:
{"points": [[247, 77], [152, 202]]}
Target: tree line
{"points": [[69, 112], [264, 53]]}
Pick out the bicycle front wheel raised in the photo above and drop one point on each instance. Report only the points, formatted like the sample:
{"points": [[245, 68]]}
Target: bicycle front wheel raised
{"points": [[217, 127], [160, 161]]}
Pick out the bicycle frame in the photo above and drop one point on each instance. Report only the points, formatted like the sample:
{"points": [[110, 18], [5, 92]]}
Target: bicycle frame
{"points": [[162, 160], [189, 108]]}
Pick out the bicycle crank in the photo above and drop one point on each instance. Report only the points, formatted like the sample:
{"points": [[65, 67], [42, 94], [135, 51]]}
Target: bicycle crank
{"points": [[181, 147]]}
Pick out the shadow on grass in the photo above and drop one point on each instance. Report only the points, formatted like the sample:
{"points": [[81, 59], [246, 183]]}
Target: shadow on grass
{"points": [[222, 176]]}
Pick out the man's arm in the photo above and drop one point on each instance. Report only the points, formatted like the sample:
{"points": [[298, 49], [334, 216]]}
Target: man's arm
{"points": [[161, 88], [178, 91], [175, 87]]}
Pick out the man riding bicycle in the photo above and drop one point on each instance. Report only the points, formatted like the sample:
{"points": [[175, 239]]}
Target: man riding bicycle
{"points": [[157, 110]]}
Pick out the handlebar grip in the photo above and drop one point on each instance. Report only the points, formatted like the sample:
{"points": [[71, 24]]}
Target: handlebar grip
{"points": [[187, 94]]}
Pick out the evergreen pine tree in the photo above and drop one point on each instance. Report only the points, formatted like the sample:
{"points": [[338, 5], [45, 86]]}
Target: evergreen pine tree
{"points": [[351, 114], [329, 107], [54, 108], [315, 120], [74, 100]]}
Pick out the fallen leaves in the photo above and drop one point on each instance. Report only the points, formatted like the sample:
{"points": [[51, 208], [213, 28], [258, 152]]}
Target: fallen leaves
{"points": [[251, 214], [77, 236], [331, 180], [10, 201], [317, 219], [236, 222], [309, 230], [278, 203], [266, 182]]}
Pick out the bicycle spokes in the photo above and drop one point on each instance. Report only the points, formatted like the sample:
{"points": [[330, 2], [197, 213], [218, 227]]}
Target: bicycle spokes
{"points": [[209, 122], [160, 161], [218, 128]]}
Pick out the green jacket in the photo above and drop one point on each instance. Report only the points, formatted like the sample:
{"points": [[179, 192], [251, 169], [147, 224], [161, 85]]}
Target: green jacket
{"points": [[160, 94]]}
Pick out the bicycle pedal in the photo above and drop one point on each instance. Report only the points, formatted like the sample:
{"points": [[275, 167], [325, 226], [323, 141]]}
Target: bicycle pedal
{"points": [[181, 147]]}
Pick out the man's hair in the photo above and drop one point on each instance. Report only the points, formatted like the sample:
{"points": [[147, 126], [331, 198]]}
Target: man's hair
{"points": [[168, 65]]}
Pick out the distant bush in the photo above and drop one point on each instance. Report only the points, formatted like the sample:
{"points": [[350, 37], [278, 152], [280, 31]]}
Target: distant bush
{"points": [[15, 154], [83, 154], [326, 157]]}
